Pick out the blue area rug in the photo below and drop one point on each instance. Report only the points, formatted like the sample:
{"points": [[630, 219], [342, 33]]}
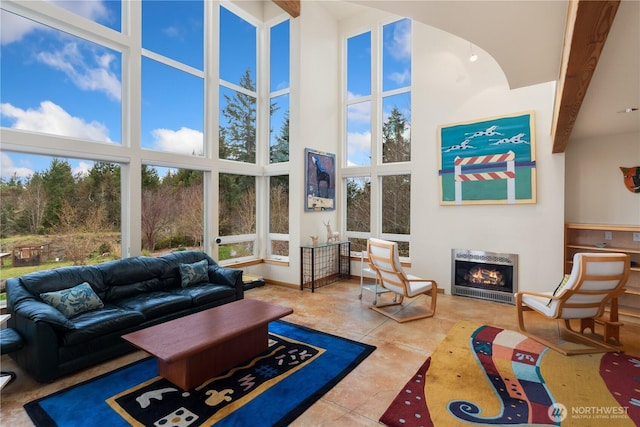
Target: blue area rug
{"points": [[272, 389]]}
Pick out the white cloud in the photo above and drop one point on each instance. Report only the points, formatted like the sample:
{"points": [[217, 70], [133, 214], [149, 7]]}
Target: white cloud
{"points": [[9, 169], [93, 10], [86, 76], [52, 119], [183, 141], [172, 32], [82, 169], [401, 79], [359, 148], [14, 28], [360, 112], [400, 45]]}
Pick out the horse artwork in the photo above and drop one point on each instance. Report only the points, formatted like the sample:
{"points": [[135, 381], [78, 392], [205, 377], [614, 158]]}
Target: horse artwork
{"points": [[320, 186], [631, 178]]}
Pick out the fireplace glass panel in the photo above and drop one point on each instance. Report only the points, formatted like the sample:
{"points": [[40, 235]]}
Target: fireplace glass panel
{"points": [[493, 277]]}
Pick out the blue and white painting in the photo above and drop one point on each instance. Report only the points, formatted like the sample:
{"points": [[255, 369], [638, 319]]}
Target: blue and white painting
{"points": [[488, 161]]}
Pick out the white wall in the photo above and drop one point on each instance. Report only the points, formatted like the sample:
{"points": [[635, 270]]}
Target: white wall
{"points": [[313, 124], [595, 192], [447, 88]]}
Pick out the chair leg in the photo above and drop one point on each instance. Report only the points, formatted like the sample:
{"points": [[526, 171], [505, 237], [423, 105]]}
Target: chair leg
{"points": [[409, 312], [599, 347], [521, 308]]}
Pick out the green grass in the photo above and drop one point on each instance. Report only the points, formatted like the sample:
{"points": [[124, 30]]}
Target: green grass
{"points": [[10, 271]]}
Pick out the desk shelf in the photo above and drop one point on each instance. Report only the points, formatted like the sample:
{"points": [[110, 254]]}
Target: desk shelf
{"points": [[324, 264]]}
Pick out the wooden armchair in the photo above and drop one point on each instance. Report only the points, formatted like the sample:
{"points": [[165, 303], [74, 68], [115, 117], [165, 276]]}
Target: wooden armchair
{"points": [[384, 260], [594, 281]]}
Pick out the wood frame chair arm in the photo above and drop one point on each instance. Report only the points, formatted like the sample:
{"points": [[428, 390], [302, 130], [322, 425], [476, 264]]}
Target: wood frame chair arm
{"points": [[420, 279], [538, 294]]}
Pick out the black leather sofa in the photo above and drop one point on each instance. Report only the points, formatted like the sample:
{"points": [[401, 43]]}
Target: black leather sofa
{"points": [[134, 293]]}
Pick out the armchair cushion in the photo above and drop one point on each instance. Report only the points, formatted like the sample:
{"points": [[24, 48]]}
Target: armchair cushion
{"points": [[74, 300], [417, 286]]}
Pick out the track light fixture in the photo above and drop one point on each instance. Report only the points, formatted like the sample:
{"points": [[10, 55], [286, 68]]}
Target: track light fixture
{"points": [[472, 55]]}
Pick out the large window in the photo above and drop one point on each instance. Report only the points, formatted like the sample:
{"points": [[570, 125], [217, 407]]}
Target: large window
{"points": [[58, 211], [279, 93], [57, 83], [358, 97], [238, 92], [172, 77], [117, 101], [172, 209], [279, 216], [378, 135], [358, 211], [175, 29], [237, 216]]}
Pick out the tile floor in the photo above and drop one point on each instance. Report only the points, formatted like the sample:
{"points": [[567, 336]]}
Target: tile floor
{"points": [[360, 398]]}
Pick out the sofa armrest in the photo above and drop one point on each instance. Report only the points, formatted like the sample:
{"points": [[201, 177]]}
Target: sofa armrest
{"points": [[37, 311], [39, 355], [226, 276]]}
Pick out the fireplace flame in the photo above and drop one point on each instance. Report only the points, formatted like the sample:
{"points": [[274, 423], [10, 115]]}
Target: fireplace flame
{"points": [[484, 276]]}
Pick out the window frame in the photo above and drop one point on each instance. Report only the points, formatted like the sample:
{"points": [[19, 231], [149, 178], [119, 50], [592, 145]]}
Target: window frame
{"points": [[377, 169]]}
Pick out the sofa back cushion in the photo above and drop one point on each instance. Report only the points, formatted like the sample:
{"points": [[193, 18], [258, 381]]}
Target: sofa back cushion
{"points": [[130, 276], [114, 279], [61, 278]]}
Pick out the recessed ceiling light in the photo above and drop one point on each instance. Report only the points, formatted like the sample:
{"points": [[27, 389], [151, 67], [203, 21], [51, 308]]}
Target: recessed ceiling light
{"points": [[629, 110]]}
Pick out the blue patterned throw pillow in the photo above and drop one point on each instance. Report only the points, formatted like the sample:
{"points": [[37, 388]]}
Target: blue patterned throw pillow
{"points": [[192, 274], [74, 300]]}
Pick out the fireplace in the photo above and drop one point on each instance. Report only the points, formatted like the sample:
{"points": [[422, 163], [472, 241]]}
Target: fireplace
{"points": [[485, 275]]}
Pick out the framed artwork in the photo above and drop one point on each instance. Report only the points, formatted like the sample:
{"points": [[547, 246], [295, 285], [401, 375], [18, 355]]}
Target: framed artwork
{"points": [[320, 180], [488, 161]]}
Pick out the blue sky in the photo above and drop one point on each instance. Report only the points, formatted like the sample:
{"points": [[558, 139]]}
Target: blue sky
{"points": [[396, 74], [56, 83]]}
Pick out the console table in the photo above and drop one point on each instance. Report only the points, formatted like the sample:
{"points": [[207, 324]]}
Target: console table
{"points": [[323, 264]]}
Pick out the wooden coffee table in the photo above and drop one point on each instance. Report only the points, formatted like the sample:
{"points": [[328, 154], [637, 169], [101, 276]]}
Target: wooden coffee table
{"points": [[194, 348]]}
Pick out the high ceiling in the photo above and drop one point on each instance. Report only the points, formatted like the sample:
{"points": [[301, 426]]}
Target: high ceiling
{"points": [[527, 39]]}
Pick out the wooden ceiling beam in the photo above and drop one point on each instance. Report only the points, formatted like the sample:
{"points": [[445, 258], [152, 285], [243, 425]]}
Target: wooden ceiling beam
{"points": [[588, 25], [292, 7]]}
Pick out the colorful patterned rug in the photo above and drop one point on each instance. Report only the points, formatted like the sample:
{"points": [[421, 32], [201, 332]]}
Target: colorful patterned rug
{"points": [[483, 375], [273, 388]]}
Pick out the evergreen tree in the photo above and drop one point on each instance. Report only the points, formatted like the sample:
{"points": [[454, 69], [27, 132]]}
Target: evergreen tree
{"points": [[34, 204], [239, 137], [396, 146], [280, 151], [59, 185], [150, 178], [102, 187], [10, 193], [183, 178], [358, 205]]}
